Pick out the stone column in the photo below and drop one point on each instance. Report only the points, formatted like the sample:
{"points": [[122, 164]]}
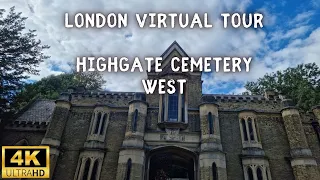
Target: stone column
{"points": [[133, 144], [211, 148], [55, 129], [303, 163]]}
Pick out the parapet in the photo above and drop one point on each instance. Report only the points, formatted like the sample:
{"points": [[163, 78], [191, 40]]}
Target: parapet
{"points": [[28, 125], [237, 98]]}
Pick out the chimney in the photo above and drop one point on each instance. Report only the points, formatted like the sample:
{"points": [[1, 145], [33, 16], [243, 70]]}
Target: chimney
{"points": [[270, 94]]}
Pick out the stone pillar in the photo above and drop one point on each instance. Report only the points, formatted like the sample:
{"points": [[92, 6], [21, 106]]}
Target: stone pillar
{"points": [[211, 149], [316, 112], [55, 129], [303, 163], [133, 144]]}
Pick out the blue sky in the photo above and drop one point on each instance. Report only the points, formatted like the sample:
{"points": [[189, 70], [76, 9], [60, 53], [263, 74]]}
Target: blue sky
{"points": [[285, 17], [291, 35]]}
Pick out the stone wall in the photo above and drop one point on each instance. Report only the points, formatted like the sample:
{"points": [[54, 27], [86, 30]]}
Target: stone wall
{"points": [[306, 172], [231, 144], [75, 136], [11, 137], [313, 141], [275, 144], [269, 121], [112, 98], [115, 136]]}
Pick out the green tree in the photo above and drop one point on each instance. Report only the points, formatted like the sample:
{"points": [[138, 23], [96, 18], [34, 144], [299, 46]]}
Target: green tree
{"points": [[301, 84], [50, 87], [20, 55]]}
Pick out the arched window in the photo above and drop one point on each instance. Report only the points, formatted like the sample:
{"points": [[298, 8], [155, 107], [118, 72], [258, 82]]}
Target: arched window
{"points": [[250, 173], [128, 172], [86, 169], [210, 120], [244, 129], [105, 116], [95, 170], [267, 173], [96, 129], [134, 120], [251, 133], [214, 171], [173, 106], [259, 174], [257, 131]]}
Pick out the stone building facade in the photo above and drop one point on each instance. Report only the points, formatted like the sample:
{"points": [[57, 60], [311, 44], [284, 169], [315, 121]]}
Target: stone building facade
{"points": [[186, 135]]}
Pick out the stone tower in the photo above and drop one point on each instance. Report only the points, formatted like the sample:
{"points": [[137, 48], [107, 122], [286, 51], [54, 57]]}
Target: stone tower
{"points": [[303, 163], [55, 129], [212, 158], [132, 155]]}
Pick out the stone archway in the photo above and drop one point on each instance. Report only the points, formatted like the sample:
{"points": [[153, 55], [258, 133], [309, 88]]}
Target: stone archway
{"points": [[171, 163]]}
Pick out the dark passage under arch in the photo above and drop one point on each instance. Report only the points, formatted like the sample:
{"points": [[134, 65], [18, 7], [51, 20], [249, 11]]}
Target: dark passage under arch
{"points": [[172, 163]]}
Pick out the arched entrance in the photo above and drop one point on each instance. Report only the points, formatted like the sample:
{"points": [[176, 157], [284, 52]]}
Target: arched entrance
{"points": [[172, 163]]}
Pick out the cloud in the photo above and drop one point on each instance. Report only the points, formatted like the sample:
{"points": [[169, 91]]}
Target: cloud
{"points": [[47, 17], [302, 18], [290, 34]]}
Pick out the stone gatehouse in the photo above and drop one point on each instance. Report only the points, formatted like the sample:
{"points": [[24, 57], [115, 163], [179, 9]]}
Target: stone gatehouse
{"points": [[189, 135]]}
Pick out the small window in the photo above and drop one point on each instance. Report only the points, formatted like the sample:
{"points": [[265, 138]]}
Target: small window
{"points": [[251, 133], [95, 170], [86, 169], [244, 128], [210, 120], [96, 129], [173, 105], [214, 171], [128, 172], [250, 173], [257, 130], [259, 174], [105, 116], [134, 120]]}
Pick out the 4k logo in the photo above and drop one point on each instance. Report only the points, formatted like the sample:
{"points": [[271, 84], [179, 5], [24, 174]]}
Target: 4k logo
{"points": [[25, 162]]}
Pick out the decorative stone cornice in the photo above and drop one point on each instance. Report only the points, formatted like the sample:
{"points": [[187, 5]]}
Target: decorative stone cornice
{"points": [[27, 125]]}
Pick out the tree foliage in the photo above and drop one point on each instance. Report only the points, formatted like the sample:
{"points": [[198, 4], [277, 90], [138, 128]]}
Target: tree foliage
{"points": [[301, 84], [50, 87], [20, 55]]}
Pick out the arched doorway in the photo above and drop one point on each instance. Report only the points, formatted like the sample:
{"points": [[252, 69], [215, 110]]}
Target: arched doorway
{"points": [[171, 163]]}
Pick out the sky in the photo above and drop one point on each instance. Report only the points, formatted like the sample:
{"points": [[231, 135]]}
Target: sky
{"points": [[290, 36]]}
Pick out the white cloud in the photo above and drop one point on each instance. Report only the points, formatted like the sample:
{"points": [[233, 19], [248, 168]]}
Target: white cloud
{"points": [[237, 91], [47, 17], [302, 18], [290, 34]]}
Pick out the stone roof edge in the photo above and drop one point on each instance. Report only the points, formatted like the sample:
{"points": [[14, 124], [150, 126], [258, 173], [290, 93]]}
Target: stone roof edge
{"points": [[229, 97], [27, 125], [103, 93]]}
